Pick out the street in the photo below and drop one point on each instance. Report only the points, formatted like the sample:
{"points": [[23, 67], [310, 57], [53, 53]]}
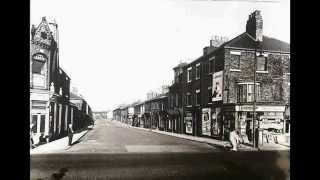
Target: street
{"points": [[110, 151]]}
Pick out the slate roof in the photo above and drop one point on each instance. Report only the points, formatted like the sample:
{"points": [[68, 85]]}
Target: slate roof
{"points": [[244, 40]]}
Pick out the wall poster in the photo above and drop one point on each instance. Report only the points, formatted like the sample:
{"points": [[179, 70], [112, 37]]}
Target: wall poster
{"points": [[217, 86], [206, 121], [215, 122]]}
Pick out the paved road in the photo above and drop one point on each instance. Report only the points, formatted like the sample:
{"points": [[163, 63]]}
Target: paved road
{"points": [[113, 152], [109, 137]]}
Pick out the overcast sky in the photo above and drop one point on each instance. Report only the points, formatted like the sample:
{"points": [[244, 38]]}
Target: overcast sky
{"points": [[116, 51]]}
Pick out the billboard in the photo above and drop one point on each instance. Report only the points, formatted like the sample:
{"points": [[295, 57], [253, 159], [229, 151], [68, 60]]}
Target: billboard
{"points": [[217, 86], [206, 121]]}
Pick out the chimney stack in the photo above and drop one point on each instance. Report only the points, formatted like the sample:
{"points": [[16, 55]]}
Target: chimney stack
{"points": [[254, 26]]}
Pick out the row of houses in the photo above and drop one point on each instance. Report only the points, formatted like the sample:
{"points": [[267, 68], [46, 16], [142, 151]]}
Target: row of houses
{"points": [[52, 105], [232, 82]]}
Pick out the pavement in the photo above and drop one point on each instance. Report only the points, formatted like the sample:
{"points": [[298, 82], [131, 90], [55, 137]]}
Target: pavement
{"points": [[214, 142], [59, 144]]}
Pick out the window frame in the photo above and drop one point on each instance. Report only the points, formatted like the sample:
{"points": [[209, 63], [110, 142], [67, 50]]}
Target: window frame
{"points": [[265, 64], [198, 97], [189, 74], [243, 92], [198, 71]]}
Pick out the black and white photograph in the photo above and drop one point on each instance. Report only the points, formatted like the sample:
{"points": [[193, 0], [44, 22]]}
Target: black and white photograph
{"points": [[159, 89]]}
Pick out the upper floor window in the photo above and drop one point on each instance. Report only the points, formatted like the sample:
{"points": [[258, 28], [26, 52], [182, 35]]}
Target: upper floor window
{"points": [[188, 98], [198, 97], [38, 67], [237, 61], [189, 74], [211, 65], [177, 99], [209, 94], [198, 71], [246, 92], [261, 63]]}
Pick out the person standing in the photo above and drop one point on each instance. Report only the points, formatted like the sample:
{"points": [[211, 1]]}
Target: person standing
{"points": [[70, 134], [234, 139]]}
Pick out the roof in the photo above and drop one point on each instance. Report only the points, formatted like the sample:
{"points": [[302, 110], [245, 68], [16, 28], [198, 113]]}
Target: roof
{"points": [[244, 40], [181, 65], [157, 97]]}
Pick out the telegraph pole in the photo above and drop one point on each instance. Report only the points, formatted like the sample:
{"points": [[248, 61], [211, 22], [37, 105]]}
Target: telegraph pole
{"points": [[254, 98]]}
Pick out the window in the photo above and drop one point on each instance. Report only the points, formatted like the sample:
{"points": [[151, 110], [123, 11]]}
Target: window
{"points": [[209, 94], [211, 65], [189, 74], [246, 92], [188, 98], [38, 67], [237, 61], [177, 99], [42, 123], [198, 98], [198, 71], [261, 63], [34, 122]]}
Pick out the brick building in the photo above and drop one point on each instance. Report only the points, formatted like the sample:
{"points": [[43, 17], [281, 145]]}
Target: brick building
{"points": [[49, 84], [217, 88]]}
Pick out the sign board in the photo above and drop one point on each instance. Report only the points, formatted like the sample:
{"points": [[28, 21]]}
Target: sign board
{"points": [[206, 121], [261, 108], [188, 120], [217, 86]]}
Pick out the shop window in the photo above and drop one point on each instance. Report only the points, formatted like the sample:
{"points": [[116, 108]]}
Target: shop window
{"points": [[246, 92], [262, 64], [42, 123], [34, 122]]}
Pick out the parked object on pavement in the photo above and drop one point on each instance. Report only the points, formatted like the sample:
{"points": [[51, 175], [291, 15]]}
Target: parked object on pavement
{"points": [[70, 134]]}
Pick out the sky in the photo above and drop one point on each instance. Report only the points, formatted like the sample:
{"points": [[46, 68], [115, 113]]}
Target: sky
{"points": [[117, 51]]}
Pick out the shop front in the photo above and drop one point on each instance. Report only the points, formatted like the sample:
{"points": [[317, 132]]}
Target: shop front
{"points": [[269, 120], [39, 122]]}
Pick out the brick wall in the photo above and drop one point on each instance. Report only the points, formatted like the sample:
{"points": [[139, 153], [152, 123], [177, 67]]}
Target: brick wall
{"points": [[274, 86]]}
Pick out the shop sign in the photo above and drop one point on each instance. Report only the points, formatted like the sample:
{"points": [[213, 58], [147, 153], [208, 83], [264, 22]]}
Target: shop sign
{"points": [[206, 121], [260, 108], [38, 96], [217, 86], [188, 120]]}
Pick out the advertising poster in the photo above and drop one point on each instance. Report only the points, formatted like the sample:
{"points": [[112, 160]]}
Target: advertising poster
{"points": [[217, 86], [215, 123], [206, 121], [188, 119]]}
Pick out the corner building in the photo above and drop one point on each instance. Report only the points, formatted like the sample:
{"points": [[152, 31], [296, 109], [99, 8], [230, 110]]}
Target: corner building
{"points": [[218, 87]]}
